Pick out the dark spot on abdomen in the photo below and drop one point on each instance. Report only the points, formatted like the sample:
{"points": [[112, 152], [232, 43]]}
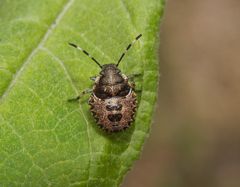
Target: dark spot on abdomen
{"points": [[115, 117]]}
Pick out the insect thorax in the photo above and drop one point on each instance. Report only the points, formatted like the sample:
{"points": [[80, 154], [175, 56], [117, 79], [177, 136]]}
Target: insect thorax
{"points": [[111, 83]]}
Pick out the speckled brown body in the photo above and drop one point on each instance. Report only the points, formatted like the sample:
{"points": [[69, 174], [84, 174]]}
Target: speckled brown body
{"points": [[113, 101]]}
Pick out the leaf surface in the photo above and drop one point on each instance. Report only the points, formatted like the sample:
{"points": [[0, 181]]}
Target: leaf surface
{"points": [[45, 140]]}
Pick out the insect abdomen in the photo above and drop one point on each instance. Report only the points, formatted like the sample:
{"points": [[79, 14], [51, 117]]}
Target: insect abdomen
{"points": [[114, 114]]}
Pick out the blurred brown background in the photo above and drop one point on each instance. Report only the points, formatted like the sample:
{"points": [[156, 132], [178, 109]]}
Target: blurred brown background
{"points": [[195, 138]]}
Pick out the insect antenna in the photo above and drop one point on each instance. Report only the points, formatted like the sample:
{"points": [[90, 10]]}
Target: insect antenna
{"points": [[86, 53], [128, 47]]}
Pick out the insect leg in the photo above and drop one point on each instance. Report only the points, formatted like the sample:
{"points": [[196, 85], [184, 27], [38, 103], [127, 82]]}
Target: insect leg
{"points": [[131, 77], [93, 78], [82, 94], [138, 90]]}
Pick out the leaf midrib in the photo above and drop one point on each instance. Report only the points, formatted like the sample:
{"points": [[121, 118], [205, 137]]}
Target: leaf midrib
{"points": [[48, 32], [40, 46], [80, 108]]}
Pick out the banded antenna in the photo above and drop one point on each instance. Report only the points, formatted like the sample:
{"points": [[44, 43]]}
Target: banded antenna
{"points": [[128, 47], [86, 53]]}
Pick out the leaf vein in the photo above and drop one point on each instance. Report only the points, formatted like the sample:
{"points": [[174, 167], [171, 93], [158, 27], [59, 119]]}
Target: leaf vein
{"points": [[128, 13], [40, 44], [81, 110]]}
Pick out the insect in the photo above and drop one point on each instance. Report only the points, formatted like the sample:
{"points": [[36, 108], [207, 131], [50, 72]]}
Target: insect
{"points": [[113, 100]]}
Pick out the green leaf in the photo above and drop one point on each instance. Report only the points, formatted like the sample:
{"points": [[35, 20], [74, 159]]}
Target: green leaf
{"points": [[45, 140]]}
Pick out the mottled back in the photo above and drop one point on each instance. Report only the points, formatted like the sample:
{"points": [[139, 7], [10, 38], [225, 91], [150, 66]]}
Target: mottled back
{"points": [[111, 83]]}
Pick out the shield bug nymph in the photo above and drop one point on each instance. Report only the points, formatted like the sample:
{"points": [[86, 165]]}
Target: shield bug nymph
{"points": [[113, 99]]}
